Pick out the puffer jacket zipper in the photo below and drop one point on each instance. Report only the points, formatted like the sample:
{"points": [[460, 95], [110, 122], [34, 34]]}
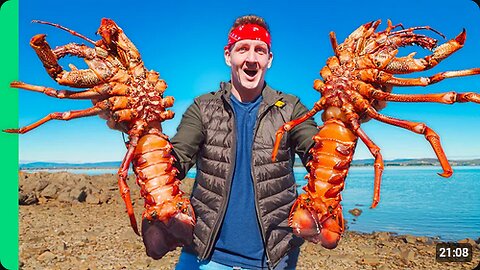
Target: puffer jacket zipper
{"points": [[255, 192], [218, 222]]}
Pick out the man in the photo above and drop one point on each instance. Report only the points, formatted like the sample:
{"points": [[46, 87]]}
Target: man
{"points": [[241, 198]]}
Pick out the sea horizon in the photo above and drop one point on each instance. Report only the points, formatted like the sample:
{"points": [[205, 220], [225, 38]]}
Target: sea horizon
{"points": [[355, 163]]}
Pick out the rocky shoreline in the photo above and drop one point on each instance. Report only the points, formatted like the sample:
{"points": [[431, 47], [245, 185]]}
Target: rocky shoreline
{"points": [[71, 221]]}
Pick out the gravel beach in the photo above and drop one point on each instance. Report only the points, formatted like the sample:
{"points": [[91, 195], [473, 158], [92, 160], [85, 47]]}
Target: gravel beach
{"points": [[71, 221]]}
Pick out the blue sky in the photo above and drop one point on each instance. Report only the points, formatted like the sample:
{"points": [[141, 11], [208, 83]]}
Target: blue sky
{"points": [[183, 40]]}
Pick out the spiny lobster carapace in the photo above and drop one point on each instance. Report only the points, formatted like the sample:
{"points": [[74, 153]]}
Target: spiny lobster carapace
{"points": [[357, 83], [131, 99]]}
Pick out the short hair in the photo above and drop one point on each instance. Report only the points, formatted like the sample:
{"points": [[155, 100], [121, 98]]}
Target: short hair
{"points": [[249, 19]]}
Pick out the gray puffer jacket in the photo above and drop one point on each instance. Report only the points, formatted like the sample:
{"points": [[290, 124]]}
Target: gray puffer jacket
{"points": [[206, 137]]}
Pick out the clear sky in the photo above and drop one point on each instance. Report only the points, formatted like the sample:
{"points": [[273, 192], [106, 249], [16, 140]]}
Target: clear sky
{"points": [[183, 40]]}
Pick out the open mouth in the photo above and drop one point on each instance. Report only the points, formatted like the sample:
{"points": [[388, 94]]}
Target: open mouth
{"points": [[250, 73]]}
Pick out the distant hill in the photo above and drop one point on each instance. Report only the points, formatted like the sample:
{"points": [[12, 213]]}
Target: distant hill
{"points": [[417, 162], [409, 162], [357, 162], [53, 165]]}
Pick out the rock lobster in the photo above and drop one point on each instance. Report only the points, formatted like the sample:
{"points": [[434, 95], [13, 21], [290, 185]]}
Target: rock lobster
{"points": [[131, 99], [357, 83]]}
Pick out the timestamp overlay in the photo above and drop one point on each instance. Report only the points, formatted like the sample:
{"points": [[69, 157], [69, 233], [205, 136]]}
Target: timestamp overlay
{"points": [[453, 252]]}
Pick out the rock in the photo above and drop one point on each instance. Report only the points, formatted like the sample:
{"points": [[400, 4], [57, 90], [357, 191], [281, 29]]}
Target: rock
{"points": [[355, 212], [382, 236], [27, 199], [91, 189], [423, 239], [46, 256], [40, 185], [468, 240], [369, 260], [396, 251], [62, 247], [409, 239], [42, 200], [407, 255], [50, 192], [105, 198], [388, 244], [79, 195], [92, 199], [65, 197]]}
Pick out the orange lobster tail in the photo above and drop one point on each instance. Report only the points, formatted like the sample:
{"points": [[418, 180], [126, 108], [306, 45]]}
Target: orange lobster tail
{"points": [[317, 214], [156, 176]]}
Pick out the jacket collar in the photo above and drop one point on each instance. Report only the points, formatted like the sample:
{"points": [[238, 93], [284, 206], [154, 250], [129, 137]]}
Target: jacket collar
{"points": [[269, 95]]}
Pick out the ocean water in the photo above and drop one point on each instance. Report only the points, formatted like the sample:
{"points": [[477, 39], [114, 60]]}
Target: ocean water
{"points": [[413, 200]]}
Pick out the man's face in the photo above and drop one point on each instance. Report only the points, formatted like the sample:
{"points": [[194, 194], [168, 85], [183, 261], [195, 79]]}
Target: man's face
{"points": [[249, 60]]}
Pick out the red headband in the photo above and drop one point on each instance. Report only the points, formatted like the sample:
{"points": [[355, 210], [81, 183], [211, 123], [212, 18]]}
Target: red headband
{"points": [[248, 31]]}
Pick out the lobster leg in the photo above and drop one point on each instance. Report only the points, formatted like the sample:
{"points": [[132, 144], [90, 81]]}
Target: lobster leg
{"points": [[96, 92], [375, 76], [289, 125], [122, 182], [445, 98], [419, 128], [56, 116], [378, 165], [368, 91]]}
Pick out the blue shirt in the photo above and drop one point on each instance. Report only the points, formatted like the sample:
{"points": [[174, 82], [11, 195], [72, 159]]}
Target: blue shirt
{"points": [[240, 242]]}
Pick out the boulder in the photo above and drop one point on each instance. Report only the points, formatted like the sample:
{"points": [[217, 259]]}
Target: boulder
{"points": [[407, 255], [382, 236], [79, 194], [27, 199], [355, 212], [409, 239], [46, 256], [469, 241], [50, 192]]}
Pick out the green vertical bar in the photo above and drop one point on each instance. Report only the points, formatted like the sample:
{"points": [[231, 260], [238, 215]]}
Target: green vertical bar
{"points": [[9, 142]]}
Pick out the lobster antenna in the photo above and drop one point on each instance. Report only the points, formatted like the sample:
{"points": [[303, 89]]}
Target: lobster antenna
{"points": [[418, 28], [66, 29]]}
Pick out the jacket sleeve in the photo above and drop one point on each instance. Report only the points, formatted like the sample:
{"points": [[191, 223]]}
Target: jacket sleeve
{"points": [[301, 136], [188, 139]]}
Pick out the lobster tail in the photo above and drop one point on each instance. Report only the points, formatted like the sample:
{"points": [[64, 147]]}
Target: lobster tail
{"points": [[317, 214], [168, 219]]}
